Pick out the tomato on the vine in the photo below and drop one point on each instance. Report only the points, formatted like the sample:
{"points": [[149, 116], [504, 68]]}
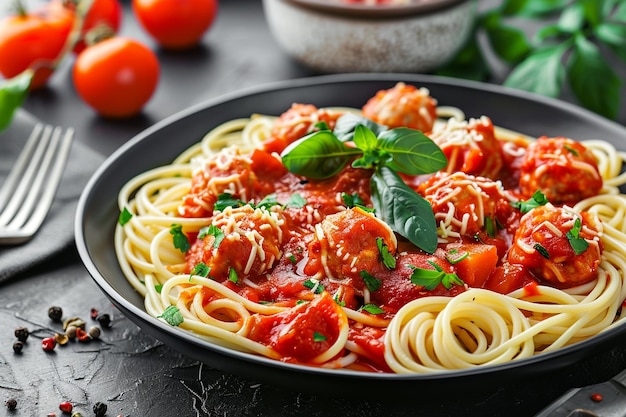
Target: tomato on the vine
{"points": [[176, 24], [106, 13], [33, 40], [116, 76]]}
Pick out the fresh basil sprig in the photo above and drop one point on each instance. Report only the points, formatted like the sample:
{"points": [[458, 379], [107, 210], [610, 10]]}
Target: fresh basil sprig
{"points": [[569, 48], [323, 154], [13, 92]]}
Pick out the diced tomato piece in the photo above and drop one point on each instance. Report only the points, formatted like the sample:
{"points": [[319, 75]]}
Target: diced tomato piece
{"points": [[302, 332]]}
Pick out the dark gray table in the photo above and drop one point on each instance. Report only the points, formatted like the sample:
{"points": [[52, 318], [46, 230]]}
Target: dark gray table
{"points": [[132, 372]]}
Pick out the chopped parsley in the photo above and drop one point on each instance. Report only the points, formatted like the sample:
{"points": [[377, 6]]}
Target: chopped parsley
{"points": [[172, 316], [313, 285], [179, 238], [338, 300], [214, 231], [124, 217], [542, 251], [232, 275], [388, 260], [576, 242], [453, 256], [354, 200], [431, 278], [158, 288], [372, 309], [571, 150], [538, 199], [296, 201], [201, 269], [225, 200], [491, 226], [318, 337], [371, 282]]}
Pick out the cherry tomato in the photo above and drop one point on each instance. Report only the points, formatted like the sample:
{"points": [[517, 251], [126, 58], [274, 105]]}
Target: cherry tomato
{"points": [[33, 40], [175, 24], [101, 13], [116, 76]]}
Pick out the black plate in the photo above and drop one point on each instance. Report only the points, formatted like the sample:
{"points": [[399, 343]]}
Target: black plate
{"points": [[97, 214]]}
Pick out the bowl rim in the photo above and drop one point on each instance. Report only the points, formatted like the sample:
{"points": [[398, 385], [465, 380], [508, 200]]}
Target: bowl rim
{"points": [[338, 7]]}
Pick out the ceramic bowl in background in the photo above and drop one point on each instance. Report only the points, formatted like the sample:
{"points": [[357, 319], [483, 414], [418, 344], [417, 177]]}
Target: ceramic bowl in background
{"points": [[333, 36]]}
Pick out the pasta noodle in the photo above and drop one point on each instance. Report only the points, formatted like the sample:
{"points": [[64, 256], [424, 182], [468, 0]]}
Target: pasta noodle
{"points": [[436, 333]]}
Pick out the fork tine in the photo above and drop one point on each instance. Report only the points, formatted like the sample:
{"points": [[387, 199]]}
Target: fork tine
{"points": [[17, 174], [41, 170]]}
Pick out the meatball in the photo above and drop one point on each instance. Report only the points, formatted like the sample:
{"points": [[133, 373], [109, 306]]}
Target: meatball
{"points": [[226, 172], [248, 242], [563, 169], [298, 121], [558, 245], [402, 106], [347, 243], [465, 205], [470, 146]]}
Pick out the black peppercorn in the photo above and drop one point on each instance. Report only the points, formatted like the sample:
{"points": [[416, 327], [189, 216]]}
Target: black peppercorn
{"points": [[22, 334], [55, 313], [11, 404], [100, 409], [104, 320], [18, 346]]}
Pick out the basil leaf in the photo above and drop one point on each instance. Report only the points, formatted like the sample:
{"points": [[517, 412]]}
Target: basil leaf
{"points": [[613, 35], [508, 43], [545, 61], [536, 8], [405, 211], [469, 62], [548, 31], [572, 19], [346, 126], [599, 92], [412, 152], [13, 92], [319, 155]]}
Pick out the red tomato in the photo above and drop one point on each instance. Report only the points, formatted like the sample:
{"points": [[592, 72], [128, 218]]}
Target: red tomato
{"points": [[33, 40], [101, 13], [175, 24], [116, 77]]}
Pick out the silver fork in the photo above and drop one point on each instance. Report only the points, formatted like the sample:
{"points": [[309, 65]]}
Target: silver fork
{"points": [[28, 191]]}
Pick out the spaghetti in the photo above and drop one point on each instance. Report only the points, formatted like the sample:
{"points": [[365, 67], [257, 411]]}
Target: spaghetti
{"points": [[302, 281]]}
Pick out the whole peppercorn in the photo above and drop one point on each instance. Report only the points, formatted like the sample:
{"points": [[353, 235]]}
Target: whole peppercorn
{"points": [[94, 313], [94, 332], [18, 346], [55, 313], [11, 404], [104, 320], [99, 409], [70, 332], [66, 407], [22, 334], [48, 344]]}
